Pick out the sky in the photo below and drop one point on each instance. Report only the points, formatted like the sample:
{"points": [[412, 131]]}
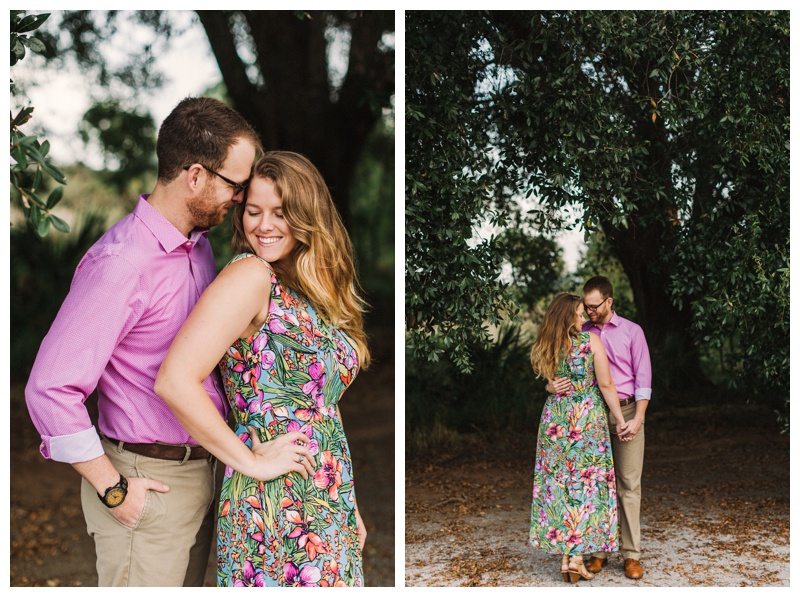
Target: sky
{"points": [[60, 99]]}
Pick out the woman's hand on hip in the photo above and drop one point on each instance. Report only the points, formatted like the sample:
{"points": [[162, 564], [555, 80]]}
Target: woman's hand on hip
{"points": [[285, 454]]}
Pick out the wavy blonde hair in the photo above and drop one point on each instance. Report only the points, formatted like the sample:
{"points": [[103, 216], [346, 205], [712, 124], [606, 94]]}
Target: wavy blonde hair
{"points": [[323, 263], [555, 335]]}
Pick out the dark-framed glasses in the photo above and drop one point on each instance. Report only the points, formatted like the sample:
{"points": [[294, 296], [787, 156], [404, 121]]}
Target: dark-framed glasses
{"points": [[239, 186], [594, 307]]}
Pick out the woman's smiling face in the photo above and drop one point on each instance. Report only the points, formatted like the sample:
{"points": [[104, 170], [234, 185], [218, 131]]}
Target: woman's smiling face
{"points": [[263, 223]]}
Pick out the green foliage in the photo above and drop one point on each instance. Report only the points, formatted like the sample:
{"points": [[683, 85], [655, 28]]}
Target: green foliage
{"points": [[536, 265], [371, 223], [41, 274], [500, 394], [669, 130], [31, 168], [452, 290], [127, 139], [21, 25]]}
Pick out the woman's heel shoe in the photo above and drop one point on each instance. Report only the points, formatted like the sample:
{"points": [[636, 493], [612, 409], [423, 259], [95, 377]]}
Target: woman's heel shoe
{"points": [[579, 571], [565, 568]]}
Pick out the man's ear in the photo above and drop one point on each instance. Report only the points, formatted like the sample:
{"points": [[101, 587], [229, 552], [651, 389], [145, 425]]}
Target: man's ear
{"points": [[193, 177]]}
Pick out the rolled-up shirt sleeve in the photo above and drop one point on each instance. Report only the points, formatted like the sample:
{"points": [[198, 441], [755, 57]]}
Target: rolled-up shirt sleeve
{"points": [[640, 358], [105, 300]]}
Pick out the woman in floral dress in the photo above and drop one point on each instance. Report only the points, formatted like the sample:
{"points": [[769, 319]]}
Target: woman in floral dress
{"points": [[574, 508], [284, 322]]}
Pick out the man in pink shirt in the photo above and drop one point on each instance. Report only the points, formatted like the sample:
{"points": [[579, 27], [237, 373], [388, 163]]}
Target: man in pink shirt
{"points": [[629, 361], [148, 488]]}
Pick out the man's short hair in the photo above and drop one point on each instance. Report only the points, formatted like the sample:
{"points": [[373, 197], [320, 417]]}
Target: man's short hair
{"points": [[600, 283], [200, 130]]}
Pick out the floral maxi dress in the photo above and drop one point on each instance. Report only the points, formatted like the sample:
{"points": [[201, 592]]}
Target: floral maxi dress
{"points": [[287, 377], [574, 508]]}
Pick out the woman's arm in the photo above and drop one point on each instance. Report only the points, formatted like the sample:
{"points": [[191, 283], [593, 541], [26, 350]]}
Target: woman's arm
{"points": [[235, 303], [605, 383], [361, 530]]}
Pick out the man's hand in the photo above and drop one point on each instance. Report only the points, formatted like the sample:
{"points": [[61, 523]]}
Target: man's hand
{"points": [[361, 531], [559, 385], [631, 428], [130, 510], [622, 431], [284, 454]]}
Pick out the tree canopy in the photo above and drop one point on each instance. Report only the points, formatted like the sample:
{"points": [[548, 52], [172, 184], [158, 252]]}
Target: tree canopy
{"points": [[667, 130], [315, 82]]}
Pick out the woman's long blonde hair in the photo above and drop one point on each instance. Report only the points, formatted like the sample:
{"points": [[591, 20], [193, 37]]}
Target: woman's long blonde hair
{"points": [[324, 266], [555, 335]]}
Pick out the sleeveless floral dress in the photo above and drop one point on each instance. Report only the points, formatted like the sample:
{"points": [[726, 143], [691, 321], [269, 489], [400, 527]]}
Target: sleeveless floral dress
{"points": [[574, 508], [287, 377]]}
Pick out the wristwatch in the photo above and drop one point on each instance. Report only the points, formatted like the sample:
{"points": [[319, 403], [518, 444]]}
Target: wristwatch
{"points": [[115, 495]]}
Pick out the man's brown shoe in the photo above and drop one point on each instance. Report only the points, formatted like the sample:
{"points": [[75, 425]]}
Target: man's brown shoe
{"points": [[595, 564], [633, 569]]}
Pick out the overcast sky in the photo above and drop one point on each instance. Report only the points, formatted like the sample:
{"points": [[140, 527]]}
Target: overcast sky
{"points": [[61, 97]]}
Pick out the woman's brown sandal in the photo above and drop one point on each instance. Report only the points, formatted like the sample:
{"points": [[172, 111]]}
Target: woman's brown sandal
{"points": [[565, 568], [577, 570]]}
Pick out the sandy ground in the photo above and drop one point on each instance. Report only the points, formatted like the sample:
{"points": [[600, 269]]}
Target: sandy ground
{"points": [[715, 508], [49, 544]]}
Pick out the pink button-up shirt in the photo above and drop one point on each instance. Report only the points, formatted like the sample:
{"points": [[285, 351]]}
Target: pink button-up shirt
{"points": [[628, 356], [130, 295]]}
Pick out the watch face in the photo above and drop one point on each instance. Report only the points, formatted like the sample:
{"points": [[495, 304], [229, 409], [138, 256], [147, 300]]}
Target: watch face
{"points": [[115, 497]]}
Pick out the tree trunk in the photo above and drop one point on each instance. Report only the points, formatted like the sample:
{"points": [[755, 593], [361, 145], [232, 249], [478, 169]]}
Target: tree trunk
{"points": [[293, 106], [675, 357]]}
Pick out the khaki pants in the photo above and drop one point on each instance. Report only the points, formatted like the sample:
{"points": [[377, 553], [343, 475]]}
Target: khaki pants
{"points": [[628, 461], [170, 544]]}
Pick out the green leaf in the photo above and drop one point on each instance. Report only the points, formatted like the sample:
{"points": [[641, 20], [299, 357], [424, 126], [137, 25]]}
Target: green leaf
{"points": [[34, 44], [44, 226], [55, 197], [18, 153], [17, 50], [22, 116], [59, 224], [57, 174], [31, 23], [37, 200], [29, 141]]}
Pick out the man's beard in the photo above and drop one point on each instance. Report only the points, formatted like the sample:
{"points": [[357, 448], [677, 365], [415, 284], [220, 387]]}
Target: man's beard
{"points": [[206, 212]]}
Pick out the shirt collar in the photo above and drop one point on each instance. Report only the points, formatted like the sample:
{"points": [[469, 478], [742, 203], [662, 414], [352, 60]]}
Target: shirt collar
{"points": [[615, 321], [169, 237]]}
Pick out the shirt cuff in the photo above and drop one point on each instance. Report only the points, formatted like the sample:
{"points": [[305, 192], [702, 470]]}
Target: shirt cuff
{"points": [[77, 447], [642, 393]]}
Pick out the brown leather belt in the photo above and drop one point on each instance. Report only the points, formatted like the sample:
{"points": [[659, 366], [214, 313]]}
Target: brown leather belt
{"points": [[627, 401], [180, 453]]}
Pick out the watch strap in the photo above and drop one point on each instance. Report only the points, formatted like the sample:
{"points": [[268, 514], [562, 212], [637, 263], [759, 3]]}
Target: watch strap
{"points": [[121, 484]]}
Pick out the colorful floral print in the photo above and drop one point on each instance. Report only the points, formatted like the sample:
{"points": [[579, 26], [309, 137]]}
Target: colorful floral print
{"points": [[574, 508], [290, 531]]}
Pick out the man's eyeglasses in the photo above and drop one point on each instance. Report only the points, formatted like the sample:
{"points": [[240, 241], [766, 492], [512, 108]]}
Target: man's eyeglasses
{"points": [[240, 187], [594, 307]]}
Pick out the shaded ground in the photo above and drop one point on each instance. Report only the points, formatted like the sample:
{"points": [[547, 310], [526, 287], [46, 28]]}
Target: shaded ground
{"points": [[49, 544], [715, 507]]}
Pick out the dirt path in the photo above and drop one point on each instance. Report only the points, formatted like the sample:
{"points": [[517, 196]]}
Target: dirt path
{"points": [[715, 508], [49, 544]]}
